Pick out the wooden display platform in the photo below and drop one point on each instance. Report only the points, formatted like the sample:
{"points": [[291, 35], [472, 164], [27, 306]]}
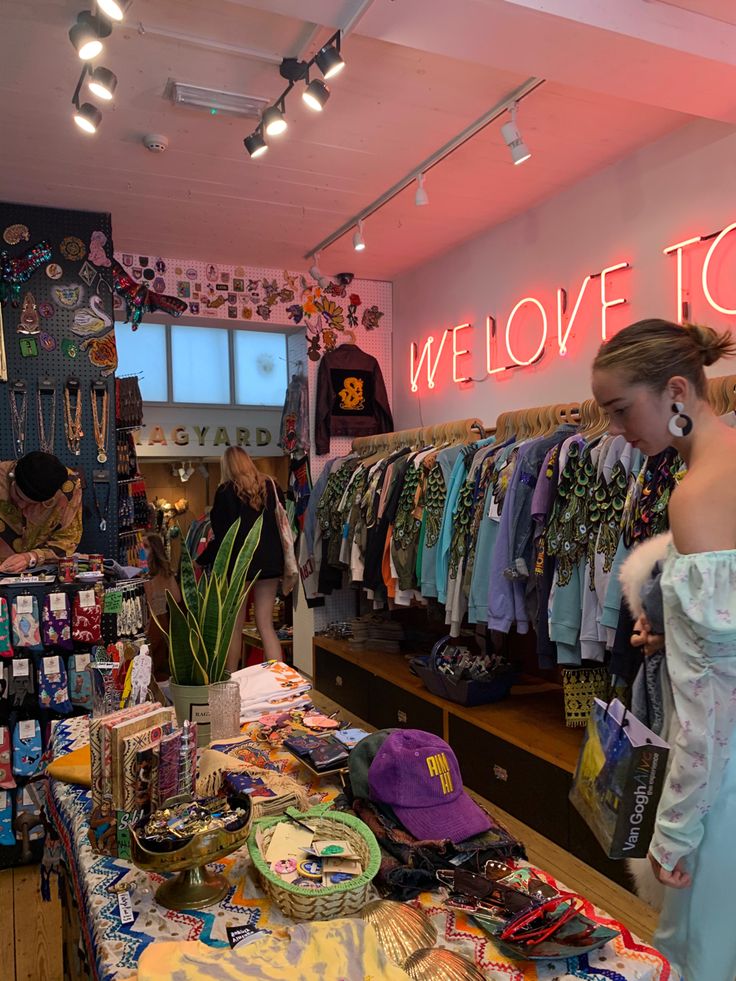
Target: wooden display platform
{"points": [[518, 753]]}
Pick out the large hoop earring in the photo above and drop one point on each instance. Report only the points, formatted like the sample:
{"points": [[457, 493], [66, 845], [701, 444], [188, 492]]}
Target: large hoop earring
{"points": [[680, 423]]}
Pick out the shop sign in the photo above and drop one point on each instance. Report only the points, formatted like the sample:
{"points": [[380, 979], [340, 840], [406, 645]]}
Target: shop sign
{"points": [[541, 329], [192, 432]]}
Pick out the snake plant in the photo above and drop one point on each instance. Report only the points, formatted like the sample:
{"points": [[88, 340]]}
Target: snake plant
{"points": [[200, 628]]}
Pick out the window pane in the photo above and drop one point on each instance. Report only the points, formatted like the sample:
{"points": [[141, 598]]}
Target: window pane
{"points": [[142, 352], [260, 367], [199, 365]]}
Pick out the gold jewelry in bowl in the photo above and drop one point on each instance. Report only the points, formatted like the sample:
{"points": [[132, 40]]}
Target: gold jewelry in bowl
{"points": [[195, 887], [401, 929], [439, 964]]}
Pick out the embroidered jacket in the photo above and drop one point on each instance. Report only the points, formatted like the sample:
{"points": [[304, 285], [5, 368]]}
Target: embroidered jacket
{"points": [[351, 397]]}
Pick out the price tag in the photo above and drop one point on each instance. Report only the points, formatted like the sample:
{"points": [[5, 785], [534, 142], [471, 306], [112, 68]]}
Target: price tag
{"points": [[125, 907], [20, 668], [3, 799], [57, 601], [81, 661], [27, 728], [51, 665], [24, 604], [113, 601], [87, 598], [27, 797]]}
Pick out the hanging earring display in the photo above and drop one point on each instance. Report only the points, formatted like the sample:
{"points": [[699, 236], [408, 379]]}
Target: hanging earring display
{"points": [[18, 395], [73, 415], [99, 395], [680, 423], [46, 428], [101, 496]]}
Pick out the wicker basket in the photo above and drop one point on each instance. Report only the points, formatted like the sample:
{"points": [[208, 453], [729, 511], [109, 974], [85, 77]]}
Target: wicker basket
{"points": [[342, 899]]}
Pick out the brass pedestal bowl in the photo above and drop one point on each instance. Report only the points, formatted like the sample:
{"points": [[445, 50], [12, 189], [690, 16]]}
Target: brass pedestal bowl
{"points": [[195, 887]]}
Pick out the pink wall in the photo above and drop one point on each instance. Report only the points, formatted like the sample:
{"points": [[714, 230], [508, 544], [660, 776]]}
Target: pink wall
{"points": [[676, 188]]}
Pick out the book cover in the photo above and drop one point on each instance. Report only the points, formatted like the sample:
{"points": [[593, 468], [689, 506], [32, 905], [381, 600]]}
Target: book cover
{"points": [[100, 759], [137, 743], [128, 727]]}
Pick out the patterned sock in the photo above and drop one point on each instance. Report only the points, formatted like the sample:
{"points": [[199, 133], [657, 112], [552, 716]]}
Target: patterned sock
{"points": [[53, 692], [57, 631], [87, 617], [6, 774], [26, 623], [80, 682], [6, 818], [21, 680], [27, 748], [5, 647]]}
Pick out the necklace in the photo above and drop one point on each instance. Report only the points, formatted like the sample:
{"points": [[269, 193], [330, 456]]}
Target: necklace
{"points": [[100, 427], [73, 422], [18, 396], [102, 509], [46, 439]]}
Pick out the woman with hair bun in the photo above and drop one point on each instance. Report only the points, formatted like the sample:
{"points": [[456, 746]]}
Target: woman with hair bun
{"points": [[246, 493], [650, 380]]}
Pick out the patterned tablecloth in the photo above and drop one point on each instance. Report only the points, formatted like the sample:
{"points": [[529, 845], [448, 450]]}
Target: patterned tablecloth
{"points": [[113, 949]]}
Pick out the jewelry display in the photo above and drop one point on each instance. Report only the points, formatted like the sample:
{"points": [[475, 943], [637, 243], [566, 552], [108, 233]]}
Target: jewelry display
{"points": [[73, 416], [18, 396], [99, 418], [102, 507], [46, 429]]}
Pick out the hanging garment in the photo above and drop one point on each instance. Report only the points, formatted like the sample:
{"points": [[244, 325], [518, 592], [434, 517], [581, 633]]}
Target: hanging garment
{"points": [[294, 428], [351, 397]]}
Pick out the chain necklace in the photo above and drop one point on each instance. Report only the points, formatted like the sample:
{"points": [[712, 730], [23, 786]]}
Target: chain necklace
{"points": [[18, 415], [46, 439], [73, 422], [100, 427], [102, 509]]}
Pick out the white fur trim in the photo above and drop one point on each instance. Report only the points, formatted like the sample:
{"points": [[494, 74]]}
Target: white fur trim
{"points": [[636, 569]]}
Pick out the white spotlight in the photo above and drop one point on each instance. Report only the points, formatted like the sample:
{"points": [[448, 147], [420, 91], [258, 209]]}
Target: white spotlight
{"points": [[420, 195], [358, 240], [512, 138]]}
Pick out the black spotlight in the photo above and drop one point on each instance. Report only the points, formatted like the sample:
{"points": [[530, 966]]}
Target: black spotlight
{"points": [[255, 144], [329, 60], [86, 35]]}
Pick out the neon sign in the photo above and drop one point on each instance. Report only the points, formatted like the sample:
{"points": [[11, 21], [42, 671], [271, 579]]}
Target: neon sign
{"points": [[430, 362], [502, 347]]}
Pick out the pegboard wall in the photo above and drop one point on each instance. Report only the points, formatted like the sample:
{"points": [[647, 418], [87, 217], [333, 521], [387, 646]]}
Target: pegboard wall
{"points": [[73, 303]]}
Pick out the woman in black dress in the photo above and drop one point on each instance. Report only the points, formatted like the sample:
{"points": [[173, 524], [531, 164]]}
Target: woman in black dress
{"points": [[245, 493]]}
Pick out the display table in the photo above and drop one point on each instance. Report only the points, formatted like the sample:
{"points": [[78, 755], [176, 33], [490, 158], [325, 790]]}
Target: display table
{"points": [[113, 949]]}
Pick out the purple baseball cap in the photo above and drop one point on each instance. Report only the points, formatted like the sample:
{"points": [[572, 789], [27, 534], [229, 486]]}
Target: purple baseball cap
{"points": [[418, 775]]}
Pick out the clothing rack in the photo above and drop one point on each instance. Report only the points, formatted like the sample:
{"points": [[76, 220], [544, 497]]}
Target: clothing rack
{"points": [[448, 432]]}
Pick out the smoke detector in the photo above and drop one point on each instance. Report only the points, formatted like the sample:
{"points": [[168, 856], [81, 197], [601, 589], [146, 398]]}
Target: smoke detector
{"points": [[156, 143]]}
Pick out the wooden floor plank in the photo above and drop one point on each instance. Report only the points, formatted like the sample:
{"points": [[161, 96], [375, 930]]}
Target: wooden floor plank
{"points": [[7, 939], [37, 930]]}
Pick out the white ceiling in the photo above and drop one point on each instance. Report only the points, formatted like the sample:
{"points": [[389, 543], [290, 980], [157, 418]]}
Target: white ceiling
{"points": [[418, 72]]}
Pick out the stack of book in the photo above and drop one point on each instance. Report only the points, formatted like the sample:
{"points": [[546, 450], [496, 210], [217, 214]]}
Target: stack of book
{"points": [[376, 633], [139, 759]]}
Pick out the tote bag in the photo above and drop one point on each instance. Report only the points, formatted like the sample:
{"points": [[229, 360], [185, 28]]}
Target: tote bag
{"points": [[618, 780], [291, 569]]}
